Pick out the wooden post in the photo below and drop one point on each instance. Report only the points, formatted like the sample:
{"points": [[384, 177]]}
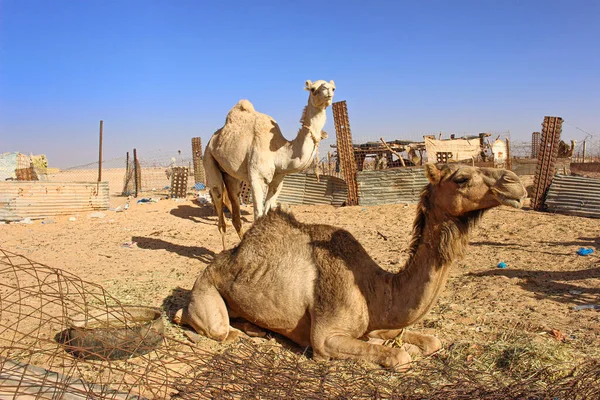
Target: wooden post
{"points": [[100, 153], [393, 152], [508, 159], [583, 155], [135, 173], [127, 175]]}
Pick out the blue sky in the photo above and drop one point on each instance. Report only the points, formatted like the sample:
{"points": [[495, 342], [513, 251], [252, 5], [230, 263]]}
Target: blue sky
{"points": [[161, 72]]}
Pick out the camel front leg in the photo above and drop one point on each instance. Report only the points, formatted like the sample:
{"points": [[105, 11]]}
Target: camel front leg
{"points": [[206, 312], [346, 347], [273, 193], [415, 343], [257, 184], [426, 343]]}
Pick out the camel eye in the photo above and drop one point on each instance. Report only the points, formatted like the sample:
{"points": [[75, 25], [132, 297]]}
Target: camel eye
{"points": [[333, 89], [461, 180]]}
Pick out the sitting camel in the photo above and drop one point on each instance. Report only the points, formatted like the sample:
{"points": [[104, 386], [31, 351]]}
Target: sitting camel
{"points": [[316, 284], [251, 148]]}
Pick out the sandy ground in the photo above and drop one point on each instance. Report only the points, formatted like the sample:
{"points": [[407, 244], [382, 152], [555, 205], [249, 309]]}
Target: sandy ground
{"points": [[152, 179], [176, 239]]}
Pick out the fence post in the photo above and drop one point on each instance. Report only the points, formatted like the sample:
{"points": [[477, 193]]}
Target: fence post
{"points": [[136, 182], [584, 143], [508, 159], [127, 176], [100, 153]]}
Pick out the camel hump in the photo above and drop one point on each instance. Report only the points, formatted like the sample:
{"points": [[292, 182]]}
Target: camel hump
{"points": [[244, 105]]}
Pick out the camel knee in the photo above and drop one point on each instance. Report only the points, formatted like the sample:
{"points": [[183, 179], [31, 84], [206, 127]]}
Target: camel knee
{"points": [[213, 327], [217, 332], [178, 318]]}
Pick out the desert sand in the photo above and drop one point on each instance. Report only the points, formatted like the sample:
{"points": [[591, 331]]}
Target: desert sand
{"points": [[145, 254]]}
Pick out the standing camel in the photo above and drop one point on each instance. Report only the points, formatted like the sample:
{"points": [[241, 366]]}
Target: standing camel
{"points": [[316, 284], [251, 148]]}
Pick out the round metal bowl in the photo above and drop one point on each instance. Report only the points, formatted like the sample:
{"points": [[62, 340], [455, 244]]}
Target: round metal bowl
{"points": [[114, 333]]}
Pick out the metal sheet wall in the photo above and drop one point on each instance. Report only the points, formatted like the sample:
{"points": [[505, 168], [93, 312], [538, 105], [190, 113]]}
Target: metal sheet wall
{"points": [[39, 199], [391, 186], [574, 195], [301, 188]]}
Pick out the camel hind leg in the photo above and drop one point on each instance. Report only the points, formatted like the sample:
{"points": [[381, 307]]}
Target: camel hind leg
{"points": [[233, 193], [206, 311], [214, 181]]}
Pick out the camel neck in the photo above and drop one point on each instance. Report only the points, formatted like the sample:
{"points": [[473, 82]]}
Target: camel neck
{"points": [[300, 152], [438, 242]]}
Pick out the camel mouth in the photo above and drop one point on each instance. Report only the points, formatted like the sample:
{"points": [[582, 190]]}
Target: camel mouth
{"points": [[510, 201]]}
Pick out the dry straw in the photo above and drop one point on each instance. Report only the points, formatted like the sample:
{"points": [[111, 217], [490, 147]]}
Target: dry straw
{"points": [[37, 304]]}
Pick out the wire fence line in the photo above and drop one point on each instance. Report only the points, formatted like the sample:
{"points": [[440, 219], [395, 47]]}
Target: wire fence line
{"points": [[156, 165]]}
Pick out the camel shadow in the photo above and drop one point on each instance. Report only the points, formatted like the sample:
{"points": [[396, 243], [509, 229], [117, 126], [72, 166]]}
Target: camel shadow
{"points": [[580, 242], [178, 299], [552, 284], [204, 214], [514, 246], [199, 253]]}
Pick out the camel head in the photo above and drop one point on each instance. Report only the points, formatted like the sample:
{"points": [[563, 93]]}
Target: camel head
{"points": [[321, 93], [460, 189]]}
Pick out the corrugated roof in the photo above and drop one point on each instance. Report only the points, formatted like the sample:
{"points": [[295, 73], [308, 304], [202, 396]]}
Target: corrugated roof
{"points": [[39, 199], [390, 186], [574, 195]]}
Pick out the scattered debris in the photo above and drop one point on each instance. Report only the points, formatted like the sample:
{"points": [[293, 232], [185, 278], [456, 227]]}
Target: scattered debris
{"points": [[203, 198], [558, 335], [48, 221], [129, 244], [26, 221], [147, 200], [584, 252], [502, 264], [72, 219], [587, 307], [97, 214], [382, 235], [575, 291]]}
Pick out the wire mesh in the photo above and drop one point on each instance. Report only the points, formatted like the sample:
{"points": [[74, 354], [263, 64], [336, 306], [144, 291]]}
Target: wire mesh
{"points": [[39, 303]]}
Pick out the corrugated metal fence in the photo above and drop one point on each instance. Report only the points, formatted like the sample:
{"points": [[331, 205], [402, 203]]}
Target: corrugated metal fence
{"points": [[391, 186], [39, 199], [574, 195], [301, 188]]}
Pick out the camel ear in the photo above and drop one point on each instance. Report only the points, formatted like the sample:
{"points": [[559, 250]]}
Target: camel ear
{"points": [[433, 173], [308, 85], [324, 135], [332, 83]]}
